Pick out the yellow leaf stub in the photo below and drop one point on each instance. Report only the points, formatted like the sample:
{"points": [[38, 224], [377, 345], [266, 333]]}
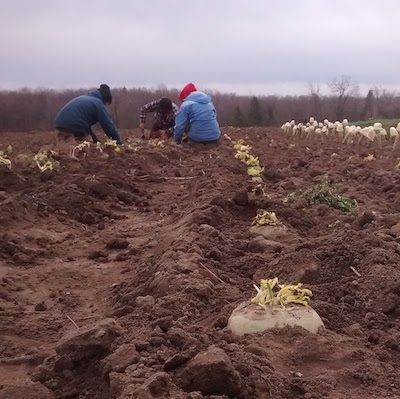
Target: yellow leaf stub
{"points": [[44, 160], [4, 160], [369, 157], [272, 293], [264, 217]]}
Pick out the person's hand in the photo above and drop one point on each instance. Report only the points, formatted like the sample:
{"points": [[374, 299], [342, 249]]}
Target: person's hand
{"points": [[168, 134], [141, 127], [163, 135]]}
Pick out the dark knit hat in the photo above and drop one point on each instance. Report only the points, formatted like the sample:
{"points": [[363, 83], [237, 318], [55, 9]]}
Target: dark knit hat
{"points": [[105, 93], [165, 104]]}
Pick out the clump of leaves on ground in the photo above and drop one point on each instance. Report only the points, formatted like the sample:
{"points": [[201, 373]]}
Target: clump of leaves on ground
{"points": [[324, 193]]}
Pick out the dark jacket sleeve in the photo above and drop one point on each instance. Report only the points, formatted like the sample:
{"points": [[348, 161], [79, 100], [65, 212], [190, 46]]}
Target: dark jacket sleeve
{"points": [[108, 125]]}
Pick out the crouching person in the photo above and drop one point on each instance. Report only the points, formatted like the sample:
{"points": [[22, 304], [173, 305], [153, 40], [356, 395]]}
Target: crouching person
{"points": [[76, 118], [164, 117], [196, 117]]}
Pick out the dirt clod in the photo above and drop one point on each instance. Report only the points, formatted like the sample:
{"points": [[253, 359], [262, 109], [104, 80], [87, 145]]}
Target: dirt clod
{"points": [[40, 307], [212, 373], [119, 360], [89, 341], [117, 243]]}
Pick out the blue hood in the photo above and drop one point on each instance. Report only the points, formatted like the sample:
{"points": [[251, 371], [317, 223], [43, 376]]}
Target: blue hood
{"points": [[198, 97]]}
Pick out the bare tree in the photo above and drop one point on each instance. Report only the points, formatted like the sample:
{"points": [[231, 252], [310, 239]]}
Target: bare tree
{"points": [[314, 88], [386, 103], [343, 87], [238, 117], [255, 116], [369, 106], [315, 97]]}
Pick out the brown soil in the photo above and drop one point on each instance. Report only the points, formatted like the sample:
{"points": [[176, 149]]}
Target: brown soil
{"points": [[134, 238]]}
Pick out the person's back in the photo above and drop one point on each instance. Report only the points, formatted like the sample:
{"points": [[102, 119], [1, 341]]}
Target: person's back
{"points": [[197, 116], [81, 113]]}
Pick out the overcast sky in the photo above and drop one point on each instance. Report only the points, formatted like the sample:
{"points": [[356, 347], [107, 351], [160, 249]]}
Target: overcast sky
{"points": [[244, 46]]}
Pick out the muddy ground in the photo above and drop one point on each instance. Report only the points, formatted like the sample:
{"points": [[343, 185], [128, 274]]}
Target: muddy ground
{"points": [[118, 275]]}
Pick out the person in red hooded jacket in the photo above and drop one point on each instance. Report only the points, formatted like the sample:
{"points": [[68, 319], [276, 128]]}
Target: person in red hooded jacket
{"points": [[196, 117]]}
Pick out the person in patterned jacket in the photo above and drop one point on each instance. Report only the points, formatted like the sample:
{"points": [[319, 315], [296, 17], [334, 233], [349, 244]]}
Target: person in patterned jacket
{"points": [[164, 117]]}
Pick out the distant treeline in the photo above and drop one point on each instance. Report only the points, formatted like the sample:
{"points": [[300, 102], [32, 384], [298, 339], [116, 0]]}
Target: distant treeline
{"points": [[28, 110]]}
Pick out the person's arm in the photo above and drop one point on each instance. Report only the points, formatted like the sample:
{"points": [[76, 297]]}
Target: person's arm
{"points": [[93, 136], [150, 107], [181, 122], [107, 124], [169, 132], [175, 109]]}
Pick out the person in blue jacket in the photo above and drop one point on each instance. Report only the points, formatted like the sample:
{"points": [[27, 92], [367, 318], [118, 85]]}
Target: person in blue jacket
{"points": [[78, 116], [196, 117]]}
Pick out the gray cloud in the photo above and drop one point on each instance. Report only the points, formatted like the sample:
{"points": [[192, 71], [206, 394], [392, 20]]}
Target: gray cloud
{"points": [[226, 44]]}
